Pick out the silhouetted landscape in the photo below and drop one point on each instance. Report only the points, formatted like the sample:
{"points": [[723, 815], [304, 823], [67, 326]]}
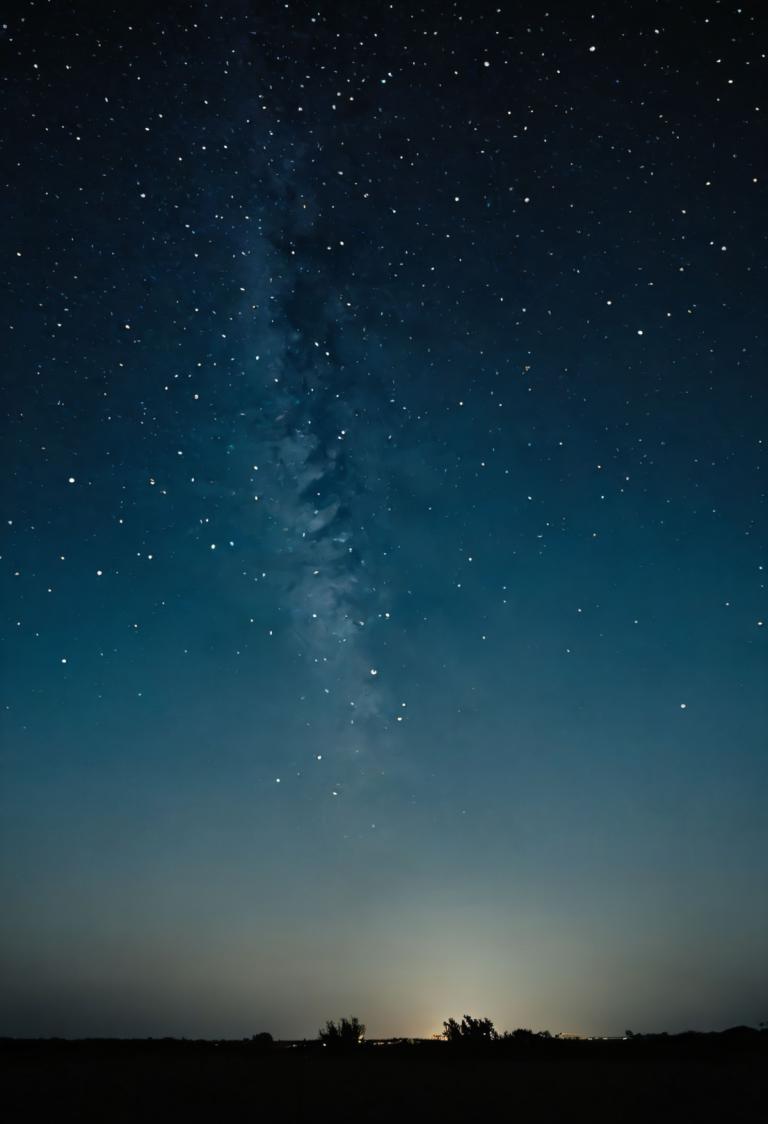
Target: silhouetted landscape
{"points": [[472, 1073]]}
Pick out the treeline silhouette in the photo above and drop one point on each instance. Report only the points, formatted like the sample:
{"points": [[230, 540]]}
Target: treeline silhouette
{"points": [[349, 1034]]}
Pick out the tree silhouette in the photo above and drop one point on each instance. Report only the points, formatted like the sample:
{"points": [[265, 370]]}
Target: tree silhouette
{"points": [[470, 1031], [345, 1034]]}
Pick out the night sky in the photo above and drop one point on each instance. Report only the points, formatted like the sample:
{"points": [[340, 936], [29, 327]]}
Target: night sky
{"points": [[383, 576]]}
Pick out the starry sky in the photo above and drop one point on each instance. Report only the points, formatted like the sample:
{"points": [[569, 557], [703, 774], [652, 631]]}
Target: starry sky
{"points": [[383, 568]]}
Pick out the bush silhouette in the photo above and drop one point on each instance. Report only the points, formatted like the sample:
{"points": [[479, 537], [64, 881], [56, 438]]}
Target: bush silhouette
{"points": [[470, 1031], [345, 1034]]}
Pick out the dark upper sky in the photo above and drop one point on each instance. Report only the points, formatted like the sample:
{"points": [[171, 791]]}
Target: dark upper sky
{"points": [[383, 584]]}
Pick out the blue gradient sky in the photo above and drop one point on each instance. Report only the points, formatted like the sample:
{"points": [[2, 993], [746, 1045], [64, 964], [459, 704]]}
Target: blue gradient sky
{"points": [[383, 581]]}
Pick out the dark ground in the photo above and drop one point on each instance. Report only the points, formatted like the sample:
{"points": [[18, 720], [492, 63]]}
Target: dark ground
{"points": [[123, 1082]]}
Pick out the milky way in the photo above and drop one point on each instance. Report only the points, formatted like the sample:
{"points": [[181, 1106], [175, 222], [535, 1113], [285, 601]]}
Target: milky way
{"points": [[320, 465], [312, 486]]}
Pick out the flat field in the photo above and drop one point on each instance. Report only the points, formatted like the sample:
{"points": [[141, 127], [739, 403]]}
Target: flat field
{"points": [[117, 1082]]}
